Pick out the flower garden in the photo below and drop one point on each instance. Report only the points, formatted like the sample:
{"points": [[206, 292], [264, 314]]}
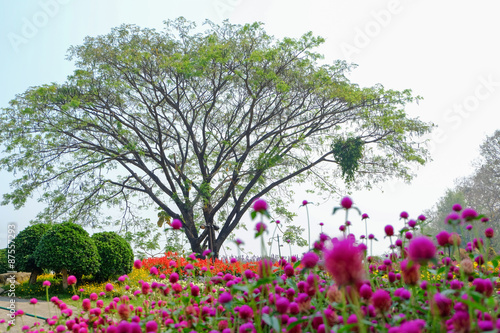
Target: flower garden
{"points": [[423, 284]]}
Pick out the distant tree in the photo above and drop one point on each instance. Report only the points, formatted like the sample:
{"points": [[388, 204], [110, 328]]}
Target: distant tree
{"points": [[117, 256], [67, 248], [480, 190], [26, 242], [200, 125]]}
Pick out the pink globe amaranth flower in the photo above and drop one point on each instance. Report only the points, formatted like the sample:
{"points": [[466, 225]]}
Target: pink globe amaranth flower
{"points": [[304, 202], [442, 238], [33, 301], [282, 304], [421, 249], [310, 259], [346, 202], [206, 252], [260, 205], [138, 264], [403, 215], [176, 224], [344, 262], [452, 218], [457, 207], [389, 230], [71, 280], [93, 296], [408, 235], [151, 326], [371, 236], [75, 297], [469, 214], [245, 312], [422, 217], [399, 243], [225, 297], [412, 223], [342, 228], [381, 300], [442, 305], [86, 304], [260, 227], [174, 277], [172, 263], [364, 216], [108, 287], [484, 219], [365, 291], [46, 283], [189, 267], [153, 270], [489, 232]]}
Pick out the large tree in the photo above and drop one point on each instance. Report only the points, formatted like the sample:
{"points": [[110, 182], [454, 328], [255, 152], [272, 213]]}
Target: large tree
{"points": [[199, 124]]}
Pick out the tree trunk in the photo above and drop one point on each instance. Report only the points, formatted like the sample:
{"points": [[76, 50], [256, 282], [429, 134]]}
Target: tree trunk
{"points": [[34, 275], [64, 273]]}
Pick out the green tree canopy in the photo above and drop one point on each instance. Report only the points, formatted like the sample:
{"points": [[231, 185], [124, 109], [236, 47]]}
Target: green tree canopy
{"points": [[26, 242], [67, 248], [200, 124], [117, 257]]}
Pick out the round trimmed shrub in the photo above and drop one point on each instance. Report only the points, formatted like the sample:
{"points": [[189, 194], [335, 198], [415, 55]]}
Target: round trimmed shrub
{"points": [[26, 242], [117, 257], [68, 248]]}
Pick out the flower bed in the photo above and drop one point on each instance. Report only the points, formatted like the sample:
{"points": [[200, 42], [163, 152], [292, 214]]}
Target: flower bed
{"points": [[334, 288]]}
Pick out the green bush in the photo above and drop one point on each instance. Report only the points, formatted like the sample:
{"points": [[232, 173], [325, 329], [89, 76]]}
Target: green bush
{"points": [[116, 254], [26, 242], [67, 246], [4, 267]]}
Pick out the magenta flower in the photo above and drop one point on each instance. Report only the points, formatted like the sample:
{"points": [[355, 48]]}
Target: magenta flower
{"points": [[412, 223], [346, 202], [310, 259], [489, 232], [442, 238], [206, 252], [371, 236], [403, 215], [46, 283], [260, 205], [389, 230], [138, 264], [344, 262], [93, 296], [364, 216], [174, 277], [108, 287], [469, 227], [260, 228], [176, 224], [153, 270], [151, 326], [225, 297], [71, 280], [75, 297], [421, 249], [484, 219], [452, 218], [422, 217], [33, 301], [469, 214], [457, 207], [381, 300], [304, 202]]}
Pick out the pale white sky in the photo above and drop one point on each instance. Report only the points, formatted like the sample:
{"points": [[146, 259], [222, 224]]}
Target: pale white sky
{"points": [[445, 51]]}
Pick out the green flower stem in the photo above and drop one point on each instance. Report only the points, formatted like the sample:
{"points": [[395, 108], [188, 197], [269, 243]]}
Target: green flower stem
{"points": [[308, 227]]}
